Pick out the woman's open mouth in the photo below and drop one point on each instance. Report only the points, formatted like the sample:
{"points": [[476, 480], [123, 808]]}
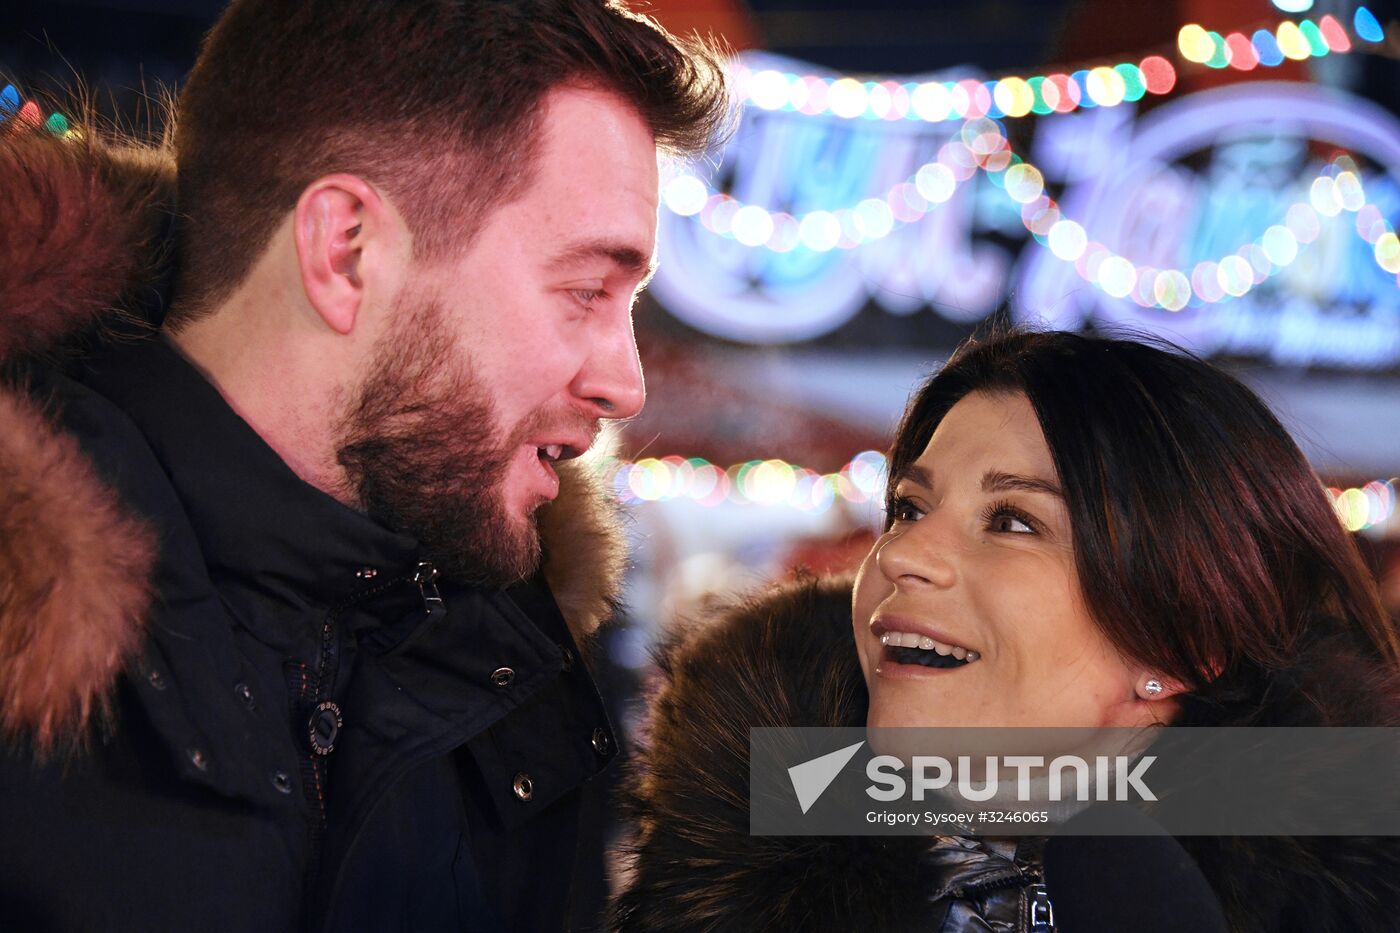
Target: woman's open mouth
{"points": [[912, 648]]}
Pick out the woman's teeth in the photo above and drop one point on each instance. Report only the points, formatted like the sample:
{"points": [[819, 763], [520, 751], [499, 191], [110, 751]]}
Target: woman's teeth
{"points": [[913, 640]]}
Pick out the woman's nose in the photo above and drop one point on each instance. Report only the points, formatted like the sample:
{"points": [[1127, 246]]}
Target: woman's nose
{"points": [[916, 556]]}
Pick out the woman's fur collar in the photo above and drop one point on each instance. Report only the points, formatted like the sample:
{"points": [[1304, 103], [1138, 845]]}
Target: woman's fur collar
{"points": [[788, 658], [82, 227], [693, 866]]}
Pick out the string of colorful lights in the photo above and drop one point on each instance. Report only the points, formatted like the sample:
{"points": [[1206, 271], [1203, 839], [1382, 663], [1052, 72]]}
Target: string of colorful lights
{"points": [[1364, 507], [1337, 189], [853, 98], [860, 481], [982, 145], [1012, 96], [29, 113], [756, 482]]}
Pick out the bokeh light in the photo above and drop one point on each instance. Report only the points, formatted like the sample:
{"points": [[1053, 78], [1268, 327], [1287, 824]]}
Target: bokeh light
{"points": [[1157, 74], [1364, 24], [1280, 245], [1117, 276], [1067, 240], [1195, 44], [685, 195], [1291, 41], [1171, 289], [1334, 35], [1388, 252], [1024, 183]]}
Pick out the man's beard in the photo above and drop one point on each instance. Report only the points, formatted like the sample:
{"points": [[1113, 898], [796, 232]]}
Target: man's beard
{"points": [[421, 452]]}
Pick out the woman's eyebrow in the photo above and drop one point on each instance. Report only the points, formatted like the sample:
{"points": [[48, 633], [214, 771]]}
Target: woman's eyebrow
{"points": [[915, 474], [997, 481]]}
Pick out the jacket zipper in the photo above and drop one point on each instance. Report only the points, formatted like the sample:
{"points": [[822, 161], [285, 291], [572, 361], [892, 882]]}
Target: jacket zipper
{"points": [[1040, 913], [425, 576]]}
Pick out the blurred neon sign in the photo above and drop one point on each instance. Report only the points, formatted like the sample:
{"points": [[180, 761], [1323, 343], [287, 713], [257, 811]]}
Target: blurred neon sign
{"points": [[1204, 173]]}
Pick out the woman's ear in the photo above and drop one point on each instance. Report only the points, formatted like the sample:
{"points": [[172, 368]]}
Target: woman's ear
{"points": [[336, 219]]}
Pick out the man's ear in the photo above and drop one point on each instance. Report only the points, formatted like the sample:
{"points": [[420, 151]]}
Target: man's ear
{"points": [[336, 218]]}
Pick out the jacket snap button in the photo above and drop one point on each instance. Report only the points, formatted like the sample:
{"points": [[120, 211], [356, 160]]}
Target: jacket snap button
{"points": [[524, 787], [245, 693], [156, 679], [282, 781], [601, 742], [502, 676], [568, 660], [323, 727], [198, 759]]}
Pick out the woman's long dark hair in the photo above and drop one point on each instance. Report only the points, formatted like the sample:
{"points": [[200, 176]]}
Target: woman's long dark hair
{"points": [[1205, 545]]}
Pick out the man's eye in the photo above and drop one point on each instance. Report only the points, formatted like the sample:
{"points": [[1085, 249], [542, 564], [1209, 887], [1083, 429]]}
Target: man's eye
{"points": [[588, 296], [902, 509]]}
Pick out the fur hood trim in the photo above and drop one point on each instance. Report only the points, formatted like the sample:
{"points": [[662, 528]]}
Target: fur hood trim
{"points": [[585, 548], [79, 223], [74, 571], [780, 660], [83, 232], [787, 658]]}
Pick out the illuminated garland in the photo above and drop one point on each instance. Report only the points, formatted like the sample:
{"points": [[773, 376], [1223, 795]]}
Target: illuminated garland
{"points": [[862, 480], [1012, 96], [1366, 507], [757, 482], [30, 113], [1235, 274], [983, 145], [936, 101]]}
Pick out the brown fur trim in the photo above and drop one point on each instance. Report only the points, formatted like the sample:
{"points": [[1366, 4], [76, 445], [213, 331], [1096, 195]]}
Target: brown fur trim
{"points": [[786, 658], [74, 589], [78, 220], [585, 553]]}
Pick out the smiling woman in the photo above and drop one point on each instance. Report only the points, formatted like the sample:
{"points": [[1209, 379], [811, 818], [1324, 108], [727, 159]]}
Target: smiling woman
{"points": [[1080, 532]]}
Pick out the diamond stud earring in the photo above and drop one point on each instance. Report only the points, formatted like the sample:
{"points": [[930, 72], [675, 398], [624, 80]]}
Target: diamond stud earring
{"points": [[1152, 688]]}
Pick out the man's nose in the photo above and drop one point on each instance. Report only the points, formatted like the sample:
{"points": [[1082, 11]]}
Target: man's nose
{"points": [[612, 379]]}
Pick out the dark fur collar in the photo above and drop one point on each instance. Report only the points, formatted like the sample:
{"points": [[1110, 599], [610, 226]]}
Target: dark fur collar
{"points": [[81, 226], [787, 658]]}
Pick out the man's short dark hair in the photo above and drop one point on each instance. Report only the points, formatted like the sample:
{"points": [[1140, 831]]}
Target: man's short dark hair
{"points": [[432, 101]]}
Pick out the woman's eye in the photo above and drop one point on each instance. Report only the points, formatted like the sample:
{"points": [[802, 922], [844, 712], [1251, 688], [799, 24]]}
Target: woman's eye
{"points": [[1006, 520], [901, 509]]}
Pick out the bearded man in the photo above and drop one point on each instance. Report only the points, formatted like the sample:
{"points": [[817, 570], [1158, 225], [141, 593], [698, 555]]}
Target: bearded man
{"points": [[294, 569]]}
